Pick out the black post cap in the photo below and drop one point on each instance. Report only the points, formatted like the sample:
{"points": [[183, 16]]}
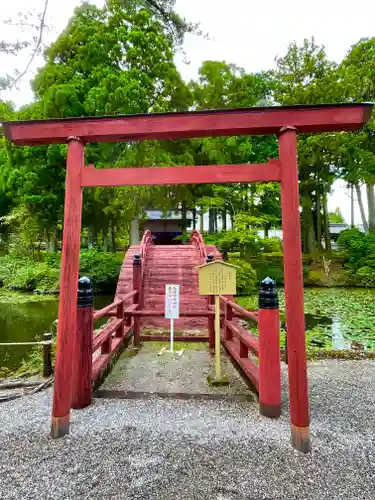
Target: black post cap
{"points": [[268, 298], [137, 259], [85, 292], [210, 258]]}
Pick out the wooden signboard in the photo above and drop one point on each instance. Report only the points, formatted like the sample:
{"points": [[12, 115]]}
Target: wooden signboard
{"points": [[217, 278]]}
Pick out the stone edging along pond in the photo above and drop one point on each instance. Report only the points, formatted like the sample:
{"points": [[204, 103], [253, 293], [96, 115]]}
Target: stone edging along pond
{"points": [[339, 354]]}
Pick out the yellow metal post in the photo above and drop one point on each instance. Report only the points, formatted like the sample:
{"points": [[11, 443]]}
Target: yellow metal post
{"points": [[217, 337]]}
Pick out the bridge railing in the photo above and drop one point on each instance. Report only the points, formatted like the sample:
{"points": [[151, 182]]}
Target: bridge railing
{"points": [[264, 373], [196, 239], [145, 243]]}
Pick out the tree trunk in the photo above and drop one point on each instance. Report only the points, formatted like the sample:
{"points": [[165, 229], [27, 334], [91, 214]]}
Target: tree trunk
{"points": [[224, 220], [211, 221], [194, 211], [52, 244], [308, 233], [113, 240], [105, 241], [266, 229], [201, 220], [215, 220], [318, 220], [327, 237], [361, 207], [351, 206], [134, 231], [183, 216], [371, 206], [91, 237]]}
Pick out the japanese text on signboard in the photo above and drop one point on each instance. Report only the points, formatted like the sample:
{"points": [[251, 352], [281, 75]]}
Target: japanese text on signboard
{"points": [[172, 301]]}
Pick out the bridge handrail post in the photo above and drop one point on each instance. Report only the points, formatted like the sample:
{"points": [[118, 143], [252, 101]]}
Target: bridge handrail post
{"points": [[269, 350], [83, 341], [138, 299], [120, 315], [228, 334]]}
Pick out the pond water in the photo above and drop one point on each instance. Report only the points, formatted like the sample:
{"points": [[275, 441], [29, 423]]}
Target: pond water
{"points": [[336, 318], [24, 318]]}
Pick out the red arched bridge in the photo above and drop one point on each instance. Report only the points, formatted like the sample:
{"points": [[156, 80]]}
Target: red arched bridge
{"points": [[139, 303], [138, 309]]}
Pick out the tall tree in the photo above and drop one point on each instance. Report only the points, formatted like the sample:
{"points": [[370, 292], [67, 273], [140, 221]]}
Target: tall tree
{"points": [[357, 73], [306, 76]]}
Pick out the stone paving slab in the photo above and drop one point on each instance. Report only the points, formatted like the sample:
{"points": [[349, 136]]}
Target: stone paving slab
{"points": [[150, 373]]}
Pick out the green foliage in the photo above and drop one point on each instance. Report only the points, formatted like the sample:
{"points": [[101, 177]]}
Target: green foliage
{"points": [[366, 275], [360, 248], [336, 217], [102, 268], [271, 245], [29, 275], [246, 277]]}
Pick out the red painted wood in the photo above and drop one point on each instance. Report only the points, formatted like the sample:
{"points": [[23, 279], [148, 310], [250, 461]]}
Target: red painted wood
{"points": [[146, 241], [102, 361], [104, 312], [229, 122], [228, 335], [153, 313], [245, 336], [196, 239], [249, 369], [137, 285], [120, 315], [244, 351], [157, 176], [102, 338], [67, 317], [82, 359], [174, 264], [269, 363], [243, 313], [293, 280]]}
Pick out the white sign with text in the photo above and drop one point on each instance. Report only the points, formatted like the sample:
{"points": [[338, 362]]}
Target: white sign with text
{"points": [[172, 301]]}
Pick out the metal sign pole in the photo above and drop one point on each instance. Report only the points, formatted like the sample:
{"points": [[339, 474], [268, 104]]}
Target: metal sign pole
{"points": [[172, 333]]}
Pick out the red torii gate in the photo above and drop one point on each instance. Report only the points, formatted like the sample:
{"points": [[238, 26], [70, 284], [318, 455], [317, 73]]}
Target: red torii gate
{"points": [[286, 122]]}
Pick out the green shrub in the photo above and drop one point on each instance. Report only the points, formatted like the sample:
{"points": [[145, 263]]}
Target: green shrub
{"points": [[366, 275], [246, 277], [8, 268], [315, 278], [360, 248], [102, 267], [274, 258], [271, 245], [337, 257], [35, 276], [28, 275]]}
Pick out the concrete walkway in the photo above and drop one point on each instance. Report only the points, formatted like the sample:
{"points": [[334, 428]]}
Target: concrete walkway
{"points": [[166, 449], [178, 374]]}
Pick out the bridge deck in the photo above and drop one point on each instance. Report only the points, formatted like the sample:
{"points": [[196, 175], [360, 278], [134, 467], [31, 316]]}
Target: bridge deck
{"points": [[172, 375]]}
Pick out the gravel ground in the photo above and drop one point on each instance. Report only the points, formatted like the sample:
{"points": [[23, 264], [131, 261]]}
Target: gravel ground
{"points": [[169, 373], [167, 449]]}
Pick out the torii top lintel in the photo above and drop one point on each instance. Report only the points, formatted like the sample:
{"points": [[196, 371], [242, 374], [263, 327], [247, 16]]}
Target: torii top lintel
{"points": [[210, 123]]}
